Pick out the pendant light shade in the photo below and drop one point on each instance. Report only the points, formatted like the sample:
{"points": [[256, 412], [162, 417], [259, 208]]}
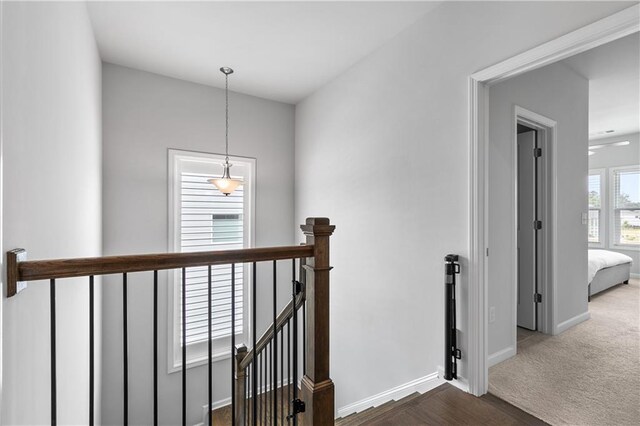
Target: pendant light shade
{"points": [[226, 184]]}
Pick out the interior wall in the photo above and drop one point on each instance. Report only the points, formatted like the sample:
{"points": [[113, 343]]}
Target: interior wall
{"points": [[144, 115], [383, 150], [606, 158], [558, 93], [51, 159]]}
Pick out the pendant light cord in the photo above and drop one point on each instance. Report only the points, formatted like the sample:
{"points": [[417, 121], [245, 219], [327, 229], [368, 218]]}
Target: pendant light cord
{"points": [[226, 135]]}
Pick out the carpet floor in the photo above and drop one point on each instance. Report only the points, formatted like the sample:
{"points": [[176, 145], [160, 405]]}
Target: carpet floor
{"points": [[588, 375]]}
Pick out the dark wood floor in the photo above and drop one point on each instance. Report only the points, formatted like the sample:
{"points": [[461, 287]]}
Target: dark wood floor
{"points": [[444, 405]]}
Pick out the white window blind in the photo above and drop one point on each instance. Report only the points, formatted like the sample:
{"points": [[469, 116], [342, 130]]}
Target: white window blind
{"points": [[626, 206], [209, 220], [203, 219], [595, 202]]}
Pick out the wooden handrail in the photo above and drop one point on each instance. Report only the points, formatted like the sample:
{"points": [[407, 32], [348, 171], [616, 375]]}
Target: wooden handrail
{"points": [[80, 267], [284, 316]]}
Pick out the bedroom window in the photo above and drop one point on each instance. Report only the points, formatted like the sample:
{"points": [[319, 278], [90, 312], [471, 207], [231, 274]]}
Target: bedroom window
{"points": [[595, 223], [625, 191], [203, 219]]}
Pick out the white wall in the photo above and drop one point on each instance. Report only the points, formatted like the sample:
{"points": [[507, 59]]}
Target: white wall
{"points": [[51, 121], [558, 93], [383, 151], [606, 158], [145, 115]]}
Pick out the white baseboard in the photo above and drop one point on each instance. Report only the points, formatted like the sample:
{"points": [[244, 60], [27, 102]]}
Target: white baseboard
{"points": [[634, 275], [565, 325], [502, 355], [461, 383], [422, 385]]}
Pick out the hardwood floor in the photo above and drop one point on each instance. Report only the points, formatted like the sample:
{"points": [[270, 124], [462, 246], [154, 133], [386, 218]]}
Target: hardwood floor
{"points": [[444, 405]]}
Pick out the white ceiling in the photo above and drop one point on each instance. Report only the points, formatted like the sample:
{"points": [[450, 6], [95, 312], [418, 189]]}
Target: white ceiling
{"points": [[613, 71], [280, 50]]}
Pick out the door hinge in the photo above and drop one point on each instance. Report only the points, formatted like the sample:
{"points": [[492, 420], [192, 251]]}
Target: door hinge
{"points": [[537, 298], [537, 224], [537, 152]]}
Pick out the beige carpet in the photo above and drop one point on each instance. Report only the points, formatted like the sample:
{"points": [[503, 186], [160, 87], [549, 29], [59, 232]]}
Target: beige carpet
{"points": [[588, 375]]}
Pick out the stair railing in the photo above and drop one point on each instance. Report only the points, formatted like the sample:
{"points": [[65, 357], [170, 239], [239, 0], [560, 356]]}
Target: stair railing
{"points": [[249, 379]]}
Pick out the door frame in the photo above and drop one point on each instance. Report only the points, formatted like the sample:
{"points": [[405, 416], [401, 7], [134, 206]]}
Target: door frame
{"points": [[546, 128], [611, 28]]}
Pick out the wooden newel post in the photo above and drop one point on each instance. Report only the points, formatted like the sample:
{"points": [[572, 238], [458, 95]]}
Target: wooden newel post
{"points": [[241, 353], [317, 387]]}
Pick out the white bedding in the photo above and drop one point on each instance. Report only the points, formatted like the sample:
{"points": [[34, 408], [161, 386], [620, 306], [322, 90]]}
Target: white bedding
{"points": [[600, 259]]}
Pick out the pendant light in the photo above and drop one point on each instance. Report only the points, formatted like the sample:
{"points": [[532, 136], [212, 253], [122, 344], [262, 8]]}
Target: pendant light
{"points": [[226, 184]]}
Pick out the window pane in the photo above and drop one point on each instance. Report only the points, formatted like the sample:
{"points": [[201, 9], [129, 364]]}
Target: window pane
{"points": [[628, 226], [594, 191], [627, 189], [594, 226], [627, 207]]}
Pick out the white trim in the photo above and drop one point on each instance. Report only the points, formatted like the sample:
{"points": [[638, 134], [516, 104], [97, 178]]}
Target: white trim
{"points": [[565, 325], [604, 190], [196, 353], [603, 31], [422, 385], [502, 355], [460, 383], [613, 244], [634, 275]]}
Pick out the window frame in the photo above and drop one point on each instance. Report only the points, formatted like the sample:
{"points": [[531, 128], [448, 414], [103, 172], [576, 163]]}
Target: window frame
{"points": [[612, 208], [197, 353], [602, 220]]}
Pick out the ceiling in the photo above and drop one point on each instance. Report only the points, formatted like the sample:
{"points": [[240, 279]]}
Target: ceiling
{"points": [[613, 70], [280, 50]]}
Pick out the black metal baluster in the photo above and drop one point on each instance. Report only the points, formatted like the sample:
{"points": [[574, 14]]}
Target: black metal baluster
{"points": [[270, 381], [304, 336], [260, 385], [54, 398], [295, 340], [233, 343], [253, 333], [288, 367], [155, 348], [282, 375], [91, 352], [184, 347], [210, 349], [125, 350], [274, 388]]}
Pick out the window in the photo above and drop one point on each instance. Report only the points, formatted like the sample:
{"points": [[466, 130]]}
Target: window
{"points": [[625, 202], [596, 196], [203, 219]]}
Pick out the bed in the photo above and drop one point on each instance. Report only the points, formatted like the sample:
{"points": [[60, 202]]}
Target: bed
{"points": [[606, 269]]}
